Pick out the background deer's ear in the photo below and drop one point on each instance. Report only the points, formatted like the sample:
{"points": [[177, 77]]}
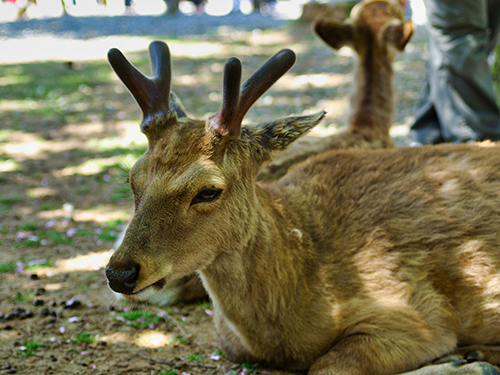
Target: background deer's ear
{"points": [[399, 35], [176, 105], [334, 33], [278, 135]]}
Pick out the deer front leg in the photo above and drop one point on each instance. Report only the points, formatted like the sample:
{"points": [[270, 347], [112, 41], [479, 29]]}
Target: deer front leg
{"points": [[382, 354], [488, 353]]}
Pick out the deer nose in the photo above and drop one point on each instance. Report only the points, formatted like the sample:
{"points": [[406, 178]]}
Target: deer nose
{"points": [[123, 281]]}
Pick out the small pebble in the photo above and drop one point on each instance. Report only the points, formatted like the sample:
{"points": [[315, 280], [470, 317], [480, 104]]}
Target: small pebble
{"points": [[40, 291], [72, 304], [38, 302]]}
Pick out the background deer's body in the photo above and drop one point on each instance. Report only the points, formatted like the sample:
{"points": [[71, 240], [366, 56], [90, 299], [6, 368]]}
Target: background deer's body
{"points": [[375, 31]]}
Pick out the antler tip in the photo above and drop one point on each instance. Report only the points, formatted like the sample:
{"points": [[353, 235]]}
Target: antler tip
{"points": [[113, 54], [287, 56], [158, 46]]}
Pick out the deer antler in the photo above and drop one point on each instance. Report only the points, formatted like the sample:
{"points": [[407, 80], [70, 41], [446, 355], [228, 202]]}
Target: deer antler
{"points": [[152, 94], [236, 103]]}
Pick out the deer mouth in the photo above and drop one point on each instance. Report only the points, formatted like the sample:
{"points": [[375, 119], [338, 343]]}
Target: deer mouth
{"points": [[147, 292]]}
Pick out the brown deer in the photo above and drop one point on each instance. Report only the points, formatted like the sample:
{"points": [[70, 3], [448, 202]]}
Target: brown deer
{"points": [[376, 31], [355, 262]]}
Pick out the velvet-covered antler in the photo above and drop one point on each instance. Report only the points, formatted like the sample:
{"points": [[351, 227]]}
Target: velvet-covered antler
{"points": [[236, 103], [152, 94]]}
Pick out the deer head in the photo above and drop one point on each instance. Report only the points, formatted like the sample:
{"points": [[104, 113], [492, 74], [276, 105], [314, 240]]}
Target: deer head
{"points": [[194, 185], [375, 24]]}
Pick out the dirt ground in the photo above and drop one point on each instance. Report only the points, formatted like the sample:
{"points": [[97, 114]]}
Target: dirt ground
{"points": [[67, 128]]}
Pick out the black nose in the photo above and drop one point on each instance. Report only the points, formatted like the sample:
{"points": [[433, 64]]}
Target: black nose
{"points": [[123, 281]]}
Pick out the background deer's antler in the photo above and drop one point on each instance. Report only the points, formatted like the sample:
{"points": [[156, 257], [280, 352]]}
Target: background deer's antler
{"points": [[152, 94], [236, 103]]}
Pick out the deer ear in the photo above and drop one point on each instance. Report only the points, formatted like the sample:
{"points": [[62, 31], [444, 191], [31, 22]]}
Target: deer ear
{"points": [[175, 104], [278, 135], [399, 35], [334, 33]]}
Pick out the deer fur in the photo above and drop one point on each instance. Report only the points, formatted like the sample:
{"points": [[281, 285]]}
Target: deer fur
{"points": [[376, 31], [355, 262]]}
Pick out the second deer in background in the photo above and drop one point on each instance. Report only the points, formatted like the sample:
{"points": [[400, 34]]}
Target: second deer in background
{"points": [[376, 31]]}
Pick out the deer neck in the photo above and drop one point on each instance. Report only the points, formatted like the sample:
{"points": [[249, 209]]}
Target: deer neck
{"points": [[261, 284], [373, 106]]}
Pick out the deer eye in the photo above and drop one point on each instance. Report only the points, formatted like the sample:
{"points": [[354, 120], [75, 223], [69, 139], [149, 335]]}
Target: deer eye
{"points": [[206, 195]]}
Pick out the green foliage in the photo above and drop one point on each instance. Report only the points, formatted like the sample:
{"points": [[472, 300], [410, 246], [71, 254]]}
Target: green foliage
{"points": [[193, 357], [6, 203], [23, 297], [34, 265], [495, 72], [48, 207], [56, 100], [205, 305], [28, 349], [220, 352], [140, 319], [82, 337], [28, 226], [7, 267], [53, 237], [251, 367], [168, 372]]}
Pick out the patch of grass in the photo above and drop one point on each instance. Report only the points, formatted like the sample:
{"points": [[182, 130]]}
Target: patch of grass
{"points": [[495, 73], [82, 337], [103, 234], [23, 297], [167, 372], [7, 267], [48, 206], [82, 190], [252, 367], [6, 203], [140, 319], [28, 226], [43, 238], [37, 264], [220, 353], [193, 357], [29, 347], [181, 340], [56, 237], [9, 165], [204, 305], [28, 242]]}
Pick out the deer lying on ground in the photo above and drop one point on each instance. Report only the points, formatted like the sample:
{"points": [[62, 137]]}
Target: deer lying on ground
{"points": [[375, 30], [355, 262]]}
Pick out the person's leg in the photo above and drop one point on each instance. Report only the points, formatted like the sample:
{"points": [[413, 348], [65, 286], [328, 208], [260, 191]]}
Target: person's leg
{"points": [[426, 128], [461, 88], [493, 23]]}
